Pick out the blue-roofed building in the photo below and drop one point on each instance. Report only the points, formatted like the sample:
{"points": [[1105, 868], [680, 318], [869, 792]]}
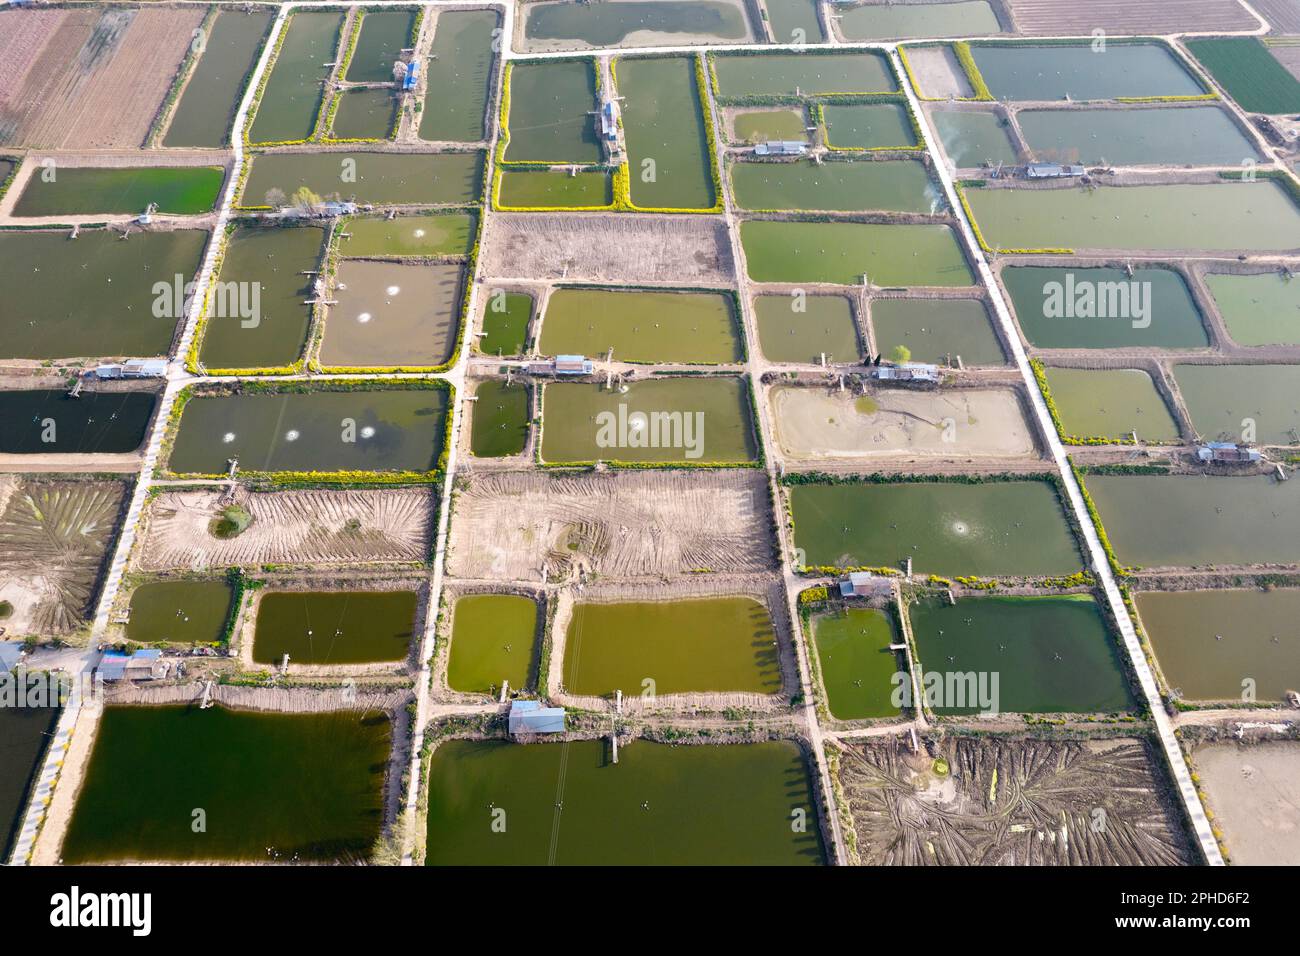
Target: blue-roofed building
{"points": [[146, 664], [530, 717], [781, 147], [412, 76]]}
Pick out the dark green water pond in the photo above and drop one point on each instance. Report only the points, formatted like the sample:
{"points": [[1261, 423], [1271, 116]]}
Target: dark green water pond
{"points": [[934, 330], [383, 36], [898, 186], [80, 191], [180, 612], [840, 252], [292, 97], [47, 421], [381, 178], [642, 326], [551, 106], [499, 421], [868, 126], [23, 740], [505, 322], [664, 125], [335, 627], [554, 187], [365, 114], [459, 76], [214, 88], [493, 639], [856, 663]]}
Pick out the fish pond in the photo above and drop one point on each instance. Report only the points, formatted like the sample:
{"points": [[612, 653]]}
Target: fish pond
{"points": [[972, 138], [664, 123], [335, 627], [1214, 645], [1221, 399], [493, 639], [279, 265], [1102, 307], [1057, 71], [551, 104], [381, 178], [895, 186], [425, 234], [649, 21], [569, 804], [1111, 403], [642, 326], [803, 74], [499, 421], [936, 330], [1049, 655], [365, 113], [180, 612], [758, 126], [794, 21], [505, 323], [857, 666], [292, 97], [948, 528], [840, 252], [525, 188], [867, 126], [680, 419], [274, 787], [48, 422], [384, 34], [354, 430], [1185, 520], [459, 76], [213, 89], [1259, 309], [803, 328], [80, 191], [1189, 136], [24, 734], [671, 647], [94, 296], [393, 314], [969, 18]]}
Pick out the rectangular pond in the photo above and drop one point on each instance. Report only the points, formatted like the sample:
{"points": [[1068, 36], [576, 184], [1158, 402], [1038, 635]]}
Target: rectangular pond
{"points": [[857, 666], [759, 126], [1057, 71], [96, 295], [48, 422], [551, 112], [710, 645], [493, 640], [384, 34], [1259, 402], [661, 805], [897, 186], [810, 73], [803, 328], [663, 122], [393, 314], [794, 21], [459, 76], [936, 330], [945, 527], [642, 326], [274, 788], [650, 21], [1259, 309], [499, 419], [1050, 655], [1111, 403], [291, 99], [351, 430], [523, 188], [179, 612], [1187, 136], [365, 113], [335, 627], [505, 323], [422, 234], [1185, 520], [867, 126], [968, 18], [973, 138], [840, 252], [23, 739], [213, 90], [82, 191], [655, 420], [1224, 645], [380, 178]]}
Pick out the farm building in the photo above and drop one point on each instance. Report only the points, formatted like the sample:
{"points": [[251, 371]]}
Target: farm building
{"points": [[144, 664], [562, 365], [907, 372], [411, 77], [781, 147], [863, 584], [530, 717], [1053, 171], [135, 368], [1225, 451]]}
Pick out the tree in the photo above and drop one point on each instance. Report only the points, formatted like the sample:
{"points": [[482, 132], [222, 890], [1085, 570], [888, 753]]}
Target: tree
{"points": [[275, 198], [900, 354], [306, 201]]}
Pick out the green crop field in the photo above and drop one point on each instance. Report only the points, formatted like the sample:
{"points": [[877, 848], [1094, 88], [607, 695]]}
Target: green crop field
{"points": [[1250, 73]]}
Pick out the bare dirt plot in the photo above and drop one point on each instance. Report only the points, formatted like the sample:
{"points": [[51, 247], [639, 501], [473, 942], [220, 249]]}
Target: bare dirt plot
{"points": [[1288, 54], [1072, 18], [97, 78], [299, 527], [1010, 802], [1282, 15], [518, 526], [53, 536], [675, 250], [937, 71], [1252, 791]]}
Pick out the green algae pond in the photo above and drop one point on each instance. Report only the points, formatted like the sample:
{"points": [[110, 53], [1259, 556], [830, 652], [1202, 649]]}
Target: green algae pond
{"points": [[214, 88], [802, 329], [1050, 654], [1057, 71], [867, 126], [608, 24], [48, 422], [679, 419], [273, 787], [499, 422], [972, 138], [1104, 308], [459, 76], [892, 186], [935, 330], [280, 264], [335, 627], [809, 73], [295, 89], [25, 733], [1188, 136], [642, 326], [1210, 643], [381, 178], [424, 234], [179, 612], [945, 527], [525, 188], [1221, 216], [725, 644], [352, 430], [968, 18], [81, 191], [365, 113], [505, 323], [1221, 398], [1111, 403], [493, 639], [1187, 520], [1258, 309], [393, 314], [857, 666], [384, 34], [794, 21], [757, 126], [891, 254], [663, 120], [551, 104], [568, 804], [95, 295]]}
